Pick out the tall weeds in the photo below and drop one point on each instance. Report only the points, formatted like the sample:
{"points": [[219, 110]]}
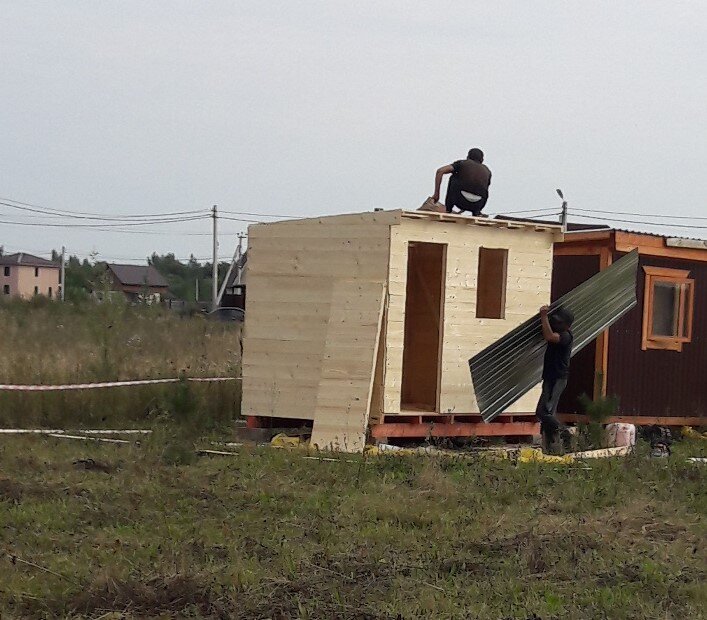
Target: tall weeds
{"points": [[45, 342]]}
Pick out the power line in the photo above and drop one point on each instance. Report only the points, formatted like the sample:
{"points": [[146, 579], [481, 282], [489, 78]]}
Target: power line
{"points": [[24, 206], [652, 215], [240, 219], [643, 222], [294, 217], [526, 211], [103, 226], [530, 217]]}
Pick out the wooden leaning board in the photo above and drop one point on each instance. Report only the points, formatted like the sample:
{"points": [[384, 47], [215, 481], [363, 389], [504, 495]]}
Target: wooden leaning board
{"points": [[348, 368]]}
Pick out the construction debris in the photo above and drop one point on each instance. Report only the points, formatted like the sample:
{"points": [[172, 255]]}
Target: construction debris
{"points": [[431, 205], [204, 452], [602, 453], [620, 434], [84, 438]]}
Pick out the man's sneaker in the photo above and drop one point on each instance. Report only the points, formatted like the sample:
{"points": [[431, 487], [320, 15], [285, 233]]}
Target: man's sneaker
{"points": [[568, 437]]}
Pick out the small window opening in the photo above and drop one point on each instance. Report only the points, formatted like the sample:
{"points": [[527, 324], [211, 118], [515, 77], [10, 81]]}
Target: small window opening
{"points": [[36, 272], [36, 290], [667, 308], [6, 289], [491, 284], [7, 271], [49, 292]]}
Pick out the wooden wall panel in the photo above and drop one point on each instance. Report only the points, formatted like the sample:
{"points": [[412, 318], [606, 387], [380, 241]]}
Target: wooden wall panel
{"points": [[294, 282], [528, 287]]}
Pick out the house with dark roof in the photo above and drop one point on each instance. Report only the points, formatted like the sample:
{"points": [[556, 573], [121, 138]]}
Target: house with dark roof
{"points": [[25, 275], [138, 283]]}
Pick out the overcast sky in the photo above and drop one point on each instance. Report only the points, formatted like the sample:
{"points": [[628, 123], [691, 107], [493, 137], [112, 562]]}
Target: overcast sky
{"points": [[319, 107]]}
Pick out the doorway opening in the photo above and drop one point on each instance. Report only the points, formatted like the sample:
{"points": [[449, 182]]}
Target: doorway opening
{"points": [[422, 343]]}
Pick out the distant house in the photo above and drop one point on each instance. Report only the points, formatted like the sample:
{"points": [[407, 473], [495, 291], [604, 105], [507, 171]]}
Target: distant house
{"points": [[138, 283], [24, 275], [653, 359]]}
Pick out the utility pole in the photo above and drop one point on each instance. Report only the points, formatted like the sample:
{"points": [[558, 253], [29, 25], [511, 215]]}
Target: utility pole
{"points": [[241, 236], [234, 261], [563, 214], [214, 271], [196, 290], [63, 273]]}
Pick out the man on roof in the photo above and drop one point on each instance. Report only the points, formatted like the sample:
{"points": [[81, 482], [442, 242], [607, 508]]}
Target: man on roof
{"points": [[468, 187]]}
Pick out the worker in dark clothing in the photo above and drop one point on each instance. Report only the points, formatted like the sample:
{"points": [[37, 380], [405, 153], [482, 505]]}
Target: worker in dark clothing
{"points": [[468, 188], [556, 367]]}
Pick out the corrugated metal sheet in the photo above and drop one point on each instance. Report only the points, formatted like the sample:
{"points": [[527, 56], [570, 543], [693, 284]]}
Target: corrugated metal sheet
{"points": [[658, 382], [506, 370]]}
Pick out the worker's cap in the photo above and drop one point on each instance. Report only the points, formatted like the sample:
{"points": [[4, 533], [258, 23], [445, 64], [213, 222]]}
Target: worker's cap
{"points": [[476, 155]]}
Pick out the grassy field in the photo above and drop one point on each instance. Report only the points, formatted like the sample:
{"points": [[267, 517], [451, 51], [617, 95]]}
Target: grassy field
{"points": [[272, 534], [46, 342]]}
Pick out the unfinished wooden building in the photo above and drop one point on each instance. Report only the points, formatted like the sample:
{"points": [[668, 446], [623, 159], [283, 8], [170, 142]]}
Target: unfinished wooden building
{"points": [[362, 325]]}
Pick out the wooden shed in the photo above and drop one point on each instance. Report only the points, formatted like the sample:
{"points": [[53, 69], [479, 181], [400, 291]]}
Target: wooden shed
{"points": [[363, 324], [653, 359]]}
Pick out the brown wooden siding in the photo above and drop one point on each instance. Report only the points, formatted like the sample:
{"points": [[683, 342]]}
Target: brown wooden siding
{"points": [[659, 382], [567, 273]]}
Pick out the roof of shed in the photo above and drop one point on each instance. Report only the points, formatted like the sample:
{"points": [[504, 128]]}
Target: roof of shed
{"points": [[666, 236], [499, 221], [590, 227], [394, 217], [137, 275], [571, 226], [26, 260]]}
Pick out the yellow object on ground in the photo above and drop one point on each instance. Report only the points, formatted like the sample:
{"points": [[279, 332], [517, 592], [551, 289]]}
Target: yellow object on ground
{"points": [[283, 441], [691, 433], [535, 455]]}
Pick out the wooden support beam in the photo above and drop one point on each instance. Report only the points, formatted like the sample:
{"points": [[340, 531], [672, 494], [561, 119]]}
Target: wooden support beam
{"points": [[481, 429], [641, 420], [578, 249], [601, 357], [653, 245]]}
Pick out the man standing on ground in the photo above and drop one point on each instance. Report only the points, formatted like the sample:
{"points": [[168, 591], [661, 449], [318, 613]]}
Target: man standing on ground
{"points": [[556, 367], [468, 188]]}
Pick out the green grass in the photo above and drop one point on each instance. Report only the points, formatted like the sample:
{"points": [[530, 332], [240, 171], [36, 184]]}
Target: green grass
{"points": [[271, 534], [47, 342]]}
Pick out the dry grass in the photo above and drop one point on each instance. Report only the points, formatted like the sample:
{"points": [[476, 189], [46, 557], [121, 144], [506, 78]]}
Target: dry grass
{"points": [[268, 534], [51, 343]]}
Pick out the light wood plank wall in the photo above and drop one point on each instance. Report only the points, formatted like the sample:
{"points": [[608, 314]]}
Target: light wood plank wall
{"points": [[528, 287], [294, 268]]}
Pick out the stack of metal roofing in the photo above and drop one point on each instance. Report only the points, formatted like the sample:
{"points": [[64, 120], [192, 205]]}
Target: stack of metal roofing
{"points": [[507, 369]]}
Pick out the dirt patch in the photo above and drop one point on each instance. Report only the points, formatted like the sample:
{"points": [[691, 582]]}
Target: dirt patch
{"points": [[11, 491], [153, 596], [93, 465], [16, 492]]}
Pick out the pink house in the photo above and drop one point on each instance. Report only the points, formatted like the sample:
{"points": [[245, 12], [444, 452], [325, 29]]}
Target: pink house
{"points": [[24, 275]]}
